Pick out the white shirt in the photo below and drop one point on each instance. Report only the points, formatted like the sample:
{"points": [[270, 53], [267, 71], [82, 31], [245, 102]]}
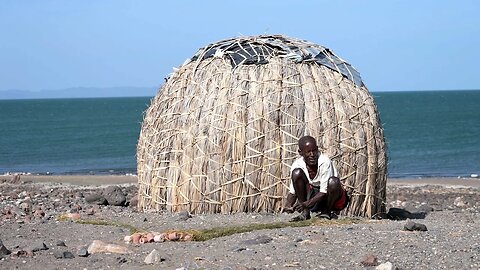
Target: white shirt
{"points": [[326, 169]]}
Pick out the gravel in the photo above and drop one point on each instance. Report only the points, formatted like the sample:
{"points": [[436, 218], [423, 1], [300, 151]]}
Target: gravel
{"points": [[31, 231]]}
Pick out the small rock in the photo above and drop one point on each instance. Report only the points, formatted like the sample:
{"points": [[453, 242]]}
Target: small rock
{"points": [[96, 199], [90, 211], [39, 213], [133, 201], [149, 238], [60, 243], [114, 196], [459, 202], [63, 254], [71, 215], [262, 239], [98, 246], [135, 238], [386, 266], [238, 249], [159, 238], [26, 206], [127, 239], [153, 257], [413, 226], [82, 252], [398, 214], [121, 260], [3, 250], [173, 236], [370, 260], [39, 246], [23, 253], [184, 215]]}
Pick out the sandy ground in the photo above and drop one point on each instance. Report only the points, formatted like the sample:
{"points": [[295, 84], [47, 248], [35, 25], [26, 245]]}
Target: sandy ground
{"points": [[35, 236]]}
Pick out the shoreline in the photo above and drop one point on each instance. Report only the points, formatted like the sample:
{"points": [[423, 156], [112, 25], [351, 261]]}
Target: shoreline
{"points": [[97, 180]]}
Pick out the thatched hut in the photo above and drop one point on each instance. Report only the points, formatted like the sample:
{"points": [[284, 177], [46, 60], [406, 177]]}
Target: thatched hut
{"points": [[221, 133]]}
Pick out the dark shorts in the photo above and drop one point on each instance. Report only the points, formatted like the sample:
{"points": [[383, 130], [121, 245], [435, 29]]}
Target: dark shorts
{"points": [[339, 205]]}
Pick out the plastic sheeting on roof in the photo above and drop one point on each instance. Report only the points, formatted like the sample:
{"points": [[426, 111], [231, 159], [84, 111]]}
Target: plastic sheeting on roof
{"points": [[257, 50]]}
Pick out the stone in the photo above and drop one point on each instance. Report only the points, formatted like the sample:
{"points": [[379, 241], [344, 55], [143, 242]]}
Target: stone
{"points": [[159, 238], [262, 239], [3, 250], [153, 257], [39, 246], [133, 201], [71, 216], [173, 236], [386, 266], [413, 226], [96, 199], [121, 260], [26, 206], [63, 254], [184, 215], [370, 260], [395, 213], [39, 213], [82, 252], [114, 196], [459, 202], [60, 243], [135, 238], [90, 211], [149, 238], [23, 253], [98, 246]]}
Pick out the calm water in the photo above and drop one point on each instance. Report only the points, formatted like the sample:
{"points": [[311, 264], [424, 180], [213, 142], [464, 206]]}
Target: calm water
{"points": [[435, 133]]}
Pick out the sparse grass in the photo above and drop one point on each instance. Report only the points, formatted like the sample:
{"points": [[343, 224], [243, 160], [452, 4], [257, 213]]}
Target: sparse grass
{"points": [[207, 234]]}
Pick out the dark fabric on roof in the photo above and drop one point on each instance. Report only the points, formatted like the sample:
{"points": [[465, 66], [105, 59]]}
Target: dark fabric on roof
{"points": [[258, 49]]}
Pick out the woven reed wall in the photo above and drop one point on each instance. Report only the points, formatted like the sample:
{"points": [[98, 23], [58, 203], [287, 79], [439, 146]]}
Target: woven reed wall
{"points": [[218, 140]]}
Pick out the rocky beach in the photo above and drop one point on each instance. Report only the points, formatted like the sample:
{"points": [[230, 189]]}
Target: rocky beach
{"points": [[90, 222]]}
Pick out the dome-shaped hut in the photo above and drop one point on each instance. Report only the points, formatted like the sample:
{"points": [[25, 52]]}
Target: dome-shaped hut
{"points": [[222, 132]]}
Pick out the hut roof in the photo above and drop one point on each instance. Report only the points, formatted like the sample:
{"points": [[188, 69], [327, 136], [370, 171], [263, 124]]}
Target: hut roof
{"points": [[257, 50]]}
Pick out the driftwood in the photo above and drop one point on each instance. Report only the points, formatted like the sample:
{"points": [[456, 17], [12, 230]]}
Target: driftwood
{"points": [[220, 135]]}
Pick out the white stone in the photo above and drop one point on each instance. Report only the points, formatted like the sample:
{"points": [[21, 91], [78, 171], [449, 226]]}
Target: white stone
{"points": [[386, 266], [153, 257]]}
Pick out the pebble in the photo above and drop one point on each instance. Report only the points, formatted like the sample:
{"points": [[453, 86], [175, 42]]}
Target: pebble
{"points": [[3, 250], [386, 266], [39, 246], [262, 239], [114, 196], [370, 260], [63, 255], [153, 257], [82, 252], [96, 199], [414, 226], [98, 246], [60, 243], [133, 201]]}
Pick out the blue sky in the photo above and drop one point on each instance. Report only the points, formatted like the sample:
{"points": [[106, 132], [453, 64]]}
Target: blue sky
{"points": [[395, 45]]}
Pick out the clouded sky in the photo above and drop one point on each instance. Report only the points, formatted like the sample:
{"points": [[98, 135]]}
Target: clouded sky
{"points": [[395, 45]]}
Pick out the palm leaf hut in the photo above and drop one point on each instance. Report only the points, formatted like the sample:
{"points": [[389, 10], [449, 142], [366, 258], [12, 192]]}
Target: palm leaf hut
{"points": [[221, 133]]}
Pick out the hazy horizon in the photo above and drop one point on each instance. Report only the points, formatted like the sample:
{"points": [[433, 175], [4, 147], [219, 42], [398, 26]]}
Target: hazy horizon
{"points": [[126, 91]]}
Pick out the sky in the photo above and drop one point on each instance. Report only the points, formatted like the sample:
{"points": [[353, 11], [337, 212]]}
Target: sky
{"points": [[395, 45]]}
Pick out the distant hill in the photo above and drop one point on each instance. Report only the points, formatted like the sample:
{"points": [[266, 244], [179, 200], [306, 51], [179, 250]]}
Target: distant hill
{"points": [[80, 92]]}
